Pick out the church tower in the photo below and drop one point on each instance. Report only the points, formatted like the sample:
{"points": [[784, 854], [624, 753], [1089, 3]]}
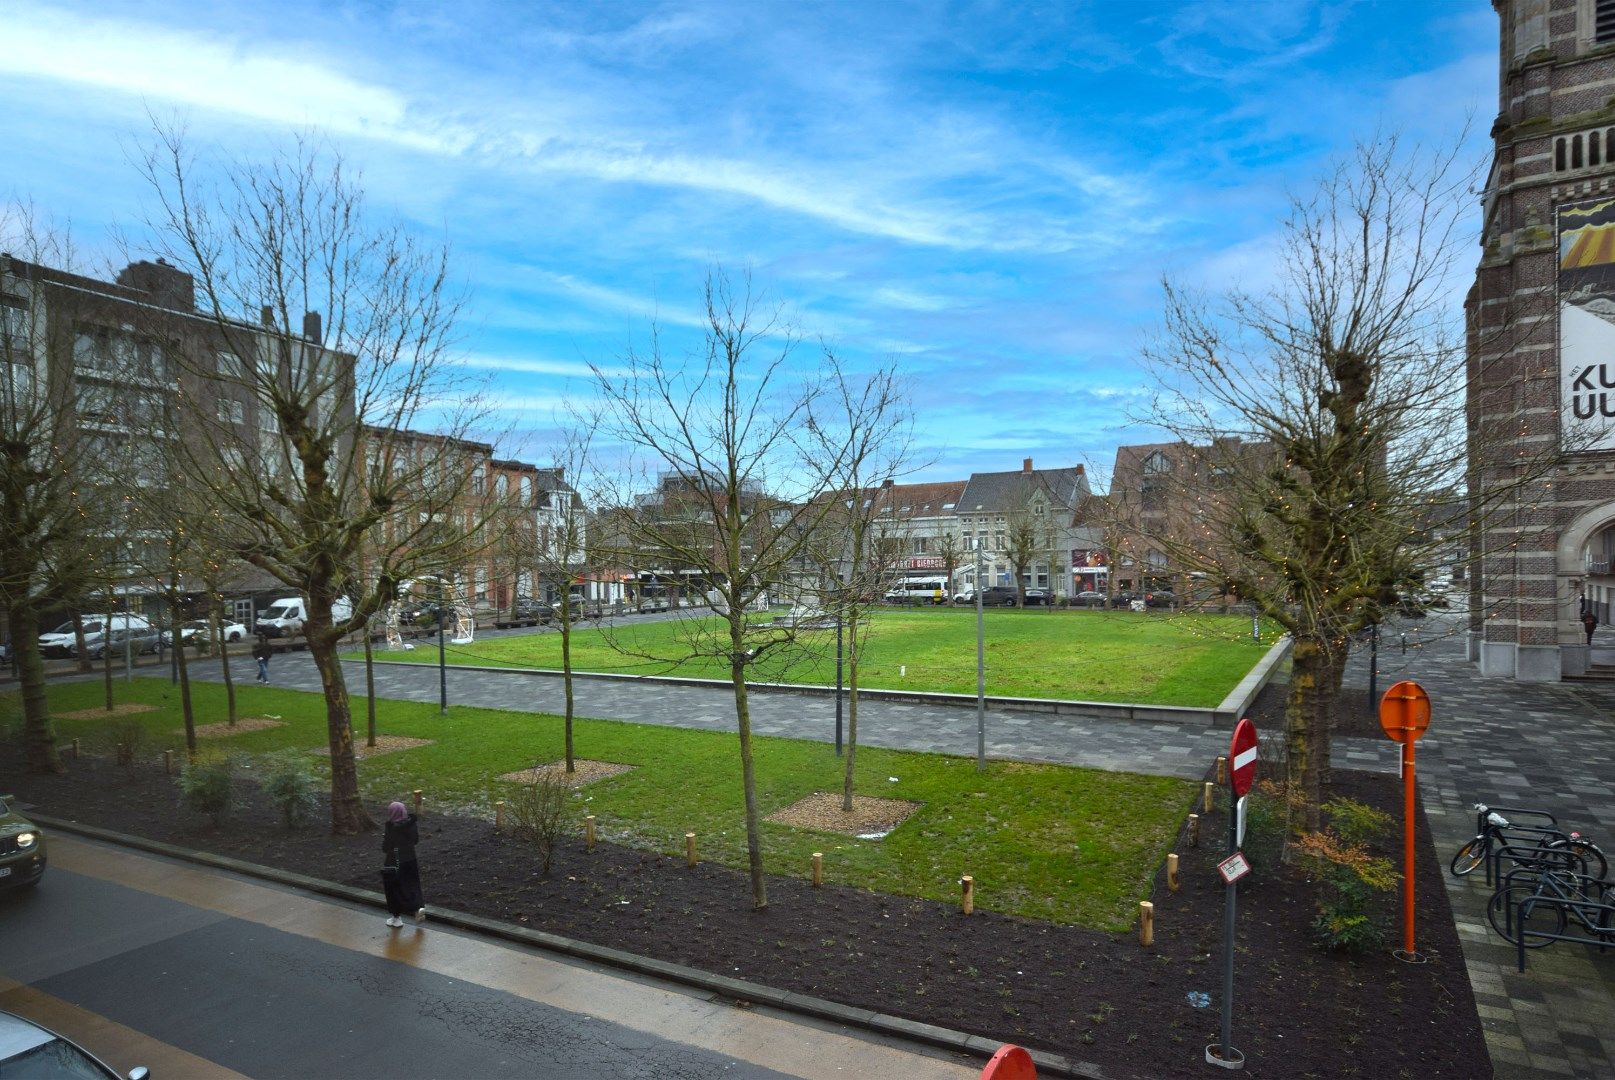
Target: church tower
{"points": [[1541, 358]]}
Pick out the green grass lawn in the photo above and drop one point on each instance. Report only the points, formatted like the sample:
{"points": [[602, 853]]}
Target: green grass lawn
{"points": [[1045, 841], [1155, 658]]}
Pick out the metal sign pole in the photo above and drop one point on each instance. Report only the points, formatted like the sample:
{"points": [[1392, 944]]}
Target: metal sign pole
{"points": [[1231, 895], [981, 673]]}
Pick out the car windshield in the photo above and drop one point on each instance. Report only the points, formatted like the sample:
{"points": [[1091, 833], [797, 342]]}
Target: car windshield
{"points": [[277, 612], [65, 628], [55, 1060]]}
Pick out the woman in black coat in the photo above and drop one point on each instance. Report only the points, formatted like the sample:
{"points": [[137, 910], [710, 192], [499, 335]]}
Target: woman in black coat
{"points": [[400, 873]]}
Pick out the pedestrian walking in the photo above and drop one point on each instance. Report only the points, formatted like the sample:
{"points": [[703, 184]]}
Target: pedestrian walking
{"points": [[261, 653], [400, 872], [1589, 623]]}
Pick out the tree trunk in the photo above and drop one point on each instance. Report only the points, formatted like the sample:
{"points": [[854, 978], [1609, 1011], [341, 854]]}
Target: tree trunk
{"points": [[183, 665], [347, 810], [1334, 675], [38, 733], [369, 688], [566, 675], [852, 716], [748, 776], [224, 666], [1307, 718]]}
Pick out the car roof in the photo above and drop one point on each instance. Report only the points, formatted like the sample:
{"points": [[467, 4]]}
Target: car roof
{"points": [[19, 1036]]}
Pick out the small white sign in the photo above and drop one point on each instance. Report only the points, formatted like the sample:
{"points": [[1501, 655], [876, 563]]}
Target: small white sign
{"points": [[1239, 818], [1233, 868]]}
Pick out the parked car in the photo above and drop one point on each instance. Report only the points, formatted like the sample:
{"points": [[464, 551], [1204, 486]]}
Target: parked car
{"points": [[97, 632], [285, 617], [1160, 598], [524, 612], [998, 596], [189, 631], [1124, 599], [1088, 598], [966, 595], [29, 1050], [1037, 597], [22, 847], [653, 603]]}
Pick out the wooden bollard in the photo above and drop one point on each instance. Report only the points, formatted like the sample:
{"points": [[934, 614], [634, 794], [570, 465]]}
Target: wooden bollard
{"points": [[588, 831], [818, 869], [1172, 872], [1194, 830], [75, 749], [499, 814], [417, 802], [1146, 923], [168, 763], [1205, 803], [689, 848], [1222, 771], [967, 899]]}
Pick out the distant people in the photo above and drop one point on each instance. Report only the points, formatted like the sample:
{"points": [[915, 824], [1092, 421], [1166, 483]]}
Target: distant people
{"points": [[400, 872], [261, 652], [1589, 623]]}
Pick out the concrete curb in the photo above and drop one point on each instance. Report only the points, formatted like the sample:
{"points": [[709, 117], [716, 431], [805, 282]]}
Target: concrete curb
{"points": [[1099, 710], [1240, 697], [719, 985]]}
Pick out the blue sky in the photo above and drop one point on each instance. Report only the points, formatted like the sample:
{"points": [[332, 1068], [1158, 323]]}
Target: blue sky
{"points": [[987, 194]]}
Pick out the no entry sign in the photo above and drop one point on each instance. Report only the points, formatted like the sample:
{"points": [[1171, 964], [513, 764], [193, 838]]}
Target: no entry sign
{"points": [[1242, 755]]}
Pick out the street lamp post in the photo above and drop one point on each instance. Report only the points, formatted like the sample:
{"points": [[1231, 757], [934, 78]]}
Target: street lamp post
{"points": [[981, 674], [838, 679], [442, 659]]}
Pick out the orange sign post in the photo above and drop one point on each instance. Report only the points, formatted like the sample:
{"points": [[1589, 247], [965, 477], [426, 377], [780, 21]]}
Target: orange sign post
{"points": [[1404, 714]]}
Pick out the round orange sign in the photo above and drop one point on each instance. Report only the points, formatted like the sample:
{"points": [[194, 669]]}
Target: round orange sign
{"points": [[1404, 712]]}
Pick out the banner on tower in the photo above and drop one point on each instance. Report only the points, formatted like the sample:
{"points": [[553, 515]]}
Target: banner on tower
{"points": [[1586, 233]]}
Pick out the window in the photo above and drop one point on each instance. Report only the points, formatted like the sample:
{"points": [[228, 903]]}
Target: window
{"points": [[1603, 21], [268, 422], [13, 325], [1156, 464], [482, 584], [230, 366], [919, 545], [230, 411], [478, 478], [526, 490], [501, 485], [19, 385]]}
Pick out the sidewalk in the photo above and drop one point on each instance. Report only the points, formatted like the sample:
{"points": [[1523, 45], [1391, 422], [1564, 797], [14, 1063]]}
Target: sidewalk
{"points": [[1546, 745]]}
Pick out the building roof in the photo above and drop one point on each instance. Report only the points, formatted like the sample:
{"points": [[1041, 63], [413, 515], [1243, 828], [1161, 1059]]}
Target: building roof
{"points": [[923, 500], [998, 492]]}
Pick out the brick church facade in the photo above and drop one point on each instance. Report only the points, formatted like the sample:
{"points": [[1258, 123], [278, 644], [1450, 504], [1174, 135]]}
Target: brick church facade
{"points": [[1541, 362]]}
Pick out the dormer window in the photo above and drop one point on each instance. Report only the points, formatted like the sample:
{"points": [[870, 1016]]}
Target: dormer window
{"points": [[1156, 464]]}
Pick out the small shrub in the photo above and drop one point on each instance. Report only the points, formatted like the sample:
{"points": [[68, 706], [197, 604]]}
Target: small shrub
{"points": [[127, 734], [208, 786], [538, 812], [1356, 823], [289, 783], [1350, 879]]}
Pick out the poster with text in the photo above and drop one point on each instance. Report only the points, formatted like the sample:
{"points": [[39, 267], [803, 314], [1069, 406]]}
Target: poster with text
{"points": [[1587, 325]]}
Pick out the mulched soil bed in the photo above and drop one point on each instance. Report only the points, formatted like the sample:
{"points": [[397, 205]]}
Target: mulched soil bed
{"points": [[1351, 715], [1095, 997]]}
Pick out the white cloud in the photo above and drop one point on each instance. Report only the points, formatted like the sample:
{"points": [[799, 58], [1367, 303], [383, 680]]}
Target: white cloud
{"points": [[534, 366]]}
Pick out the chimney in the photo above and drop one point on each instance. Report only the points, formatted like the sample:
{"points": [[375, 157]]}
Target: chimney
{"points": [[1079, 470], [886, 483], [311, 327], [167, 286], [1026, 465]]}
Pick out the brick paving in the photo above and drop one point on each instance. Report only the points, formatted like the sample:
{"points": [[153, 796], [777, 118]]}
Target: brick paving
{"points": [[1541, 745]]}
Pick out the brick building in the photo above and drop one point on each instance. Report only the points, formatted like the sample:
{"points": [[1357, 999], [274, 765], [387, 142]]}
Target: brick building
{"points": [[1541, 363]]}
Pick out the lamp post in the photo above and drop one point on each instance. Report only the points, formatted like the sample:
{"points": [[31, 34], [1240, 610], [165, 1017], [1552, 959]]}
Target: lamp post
{"points": [[838, 679], [442, 658], [981, 674]]}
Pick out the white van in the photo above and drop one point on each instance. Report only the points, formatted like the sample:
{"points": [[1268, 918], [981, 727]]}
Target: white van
{"points": [[285, 617], [918, 590]]}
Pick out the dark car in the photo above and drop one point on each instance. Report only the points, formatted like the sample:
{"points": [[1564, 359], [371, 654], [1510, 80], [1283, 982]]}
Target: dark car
{"points": [[1124, 599], [22, 847], [998, 596], [1160, 598], [31, 1052], [524, 612], [1088, 598], [1037, 597]]}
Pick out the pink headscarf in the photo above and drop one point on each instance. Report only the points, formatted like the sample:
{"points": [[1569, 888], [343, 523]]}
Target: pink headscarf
{"points": [[397, 812]]}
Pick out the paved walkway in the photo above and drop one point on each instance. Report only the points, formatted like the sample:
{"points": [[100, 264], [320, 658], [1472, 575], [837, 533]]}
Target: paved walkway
{"points": [[1548, 746], [1166, 749]]}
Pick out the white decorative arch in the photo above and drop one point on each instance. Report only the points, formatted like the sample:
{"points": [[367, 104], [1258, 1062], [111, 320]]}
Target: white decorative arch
{"points": [[1573, 538]]}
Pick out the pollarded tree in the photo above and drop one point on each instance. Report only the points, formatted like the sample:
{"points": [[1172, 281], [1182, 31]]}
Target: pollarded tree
{"points": [[739, 490], [1317, 427], [303, 432]]}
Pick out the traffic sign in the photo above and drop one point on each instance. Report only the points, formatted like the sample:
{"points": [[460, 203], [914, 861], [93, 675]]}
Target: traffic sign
{"points": [[1233, 868], [1242, 753], [1404, 711]]}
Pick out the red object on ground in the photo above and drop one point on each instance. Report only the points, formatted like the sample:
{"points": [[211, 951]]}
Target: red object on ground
{"points": [[1242, 754], [1010, 1063]]}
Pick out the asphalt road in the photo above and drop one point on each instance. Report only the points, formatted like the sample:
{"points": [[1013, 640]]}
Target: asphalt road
{"points": [[215, 975]]}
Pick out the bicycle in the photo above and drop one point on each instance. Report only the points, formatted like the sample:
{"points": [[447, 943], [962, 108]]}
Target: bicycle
{"points": [[1493, 830], [1544, 883]]}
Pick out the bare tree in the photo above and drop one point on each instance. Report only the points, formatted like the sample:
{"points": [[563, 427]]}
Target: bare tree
{"points": [[738, 495], [1317, 425], [324, 485], [866, 425], [61, 475], [562, 549]]}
